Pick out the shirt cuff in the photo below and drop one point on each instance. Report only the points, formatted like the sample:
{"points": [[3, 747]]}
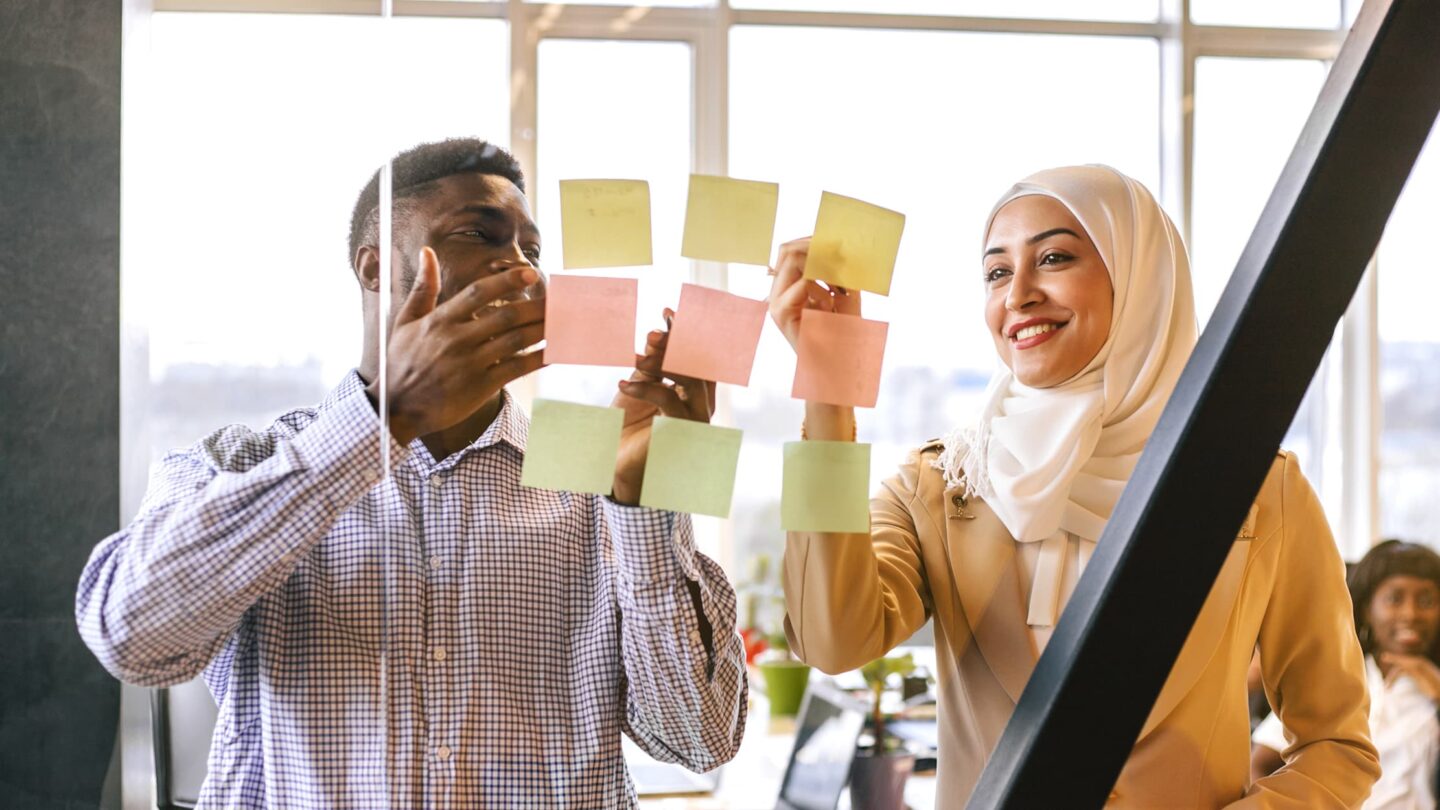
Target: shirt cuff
{"points": [[651, 544], [343, 444]]}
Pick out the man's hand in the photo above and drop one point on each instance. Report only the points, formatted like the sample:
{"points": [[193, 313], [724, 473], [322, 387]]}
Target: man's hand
{"points": [[446, 361], [643, 396]]}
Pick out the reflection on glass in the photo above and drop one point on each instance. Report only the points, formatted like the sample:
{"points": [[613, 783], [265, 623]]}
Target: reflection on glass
{"points": [[1410, 360], [1110, 10], [1269, 14], [940, 151]]}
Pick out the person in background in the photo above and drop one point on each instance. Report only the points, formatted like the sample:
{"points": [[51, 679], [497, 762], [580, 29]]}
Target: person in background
{"points": [[1396, 592], [520, 631]]}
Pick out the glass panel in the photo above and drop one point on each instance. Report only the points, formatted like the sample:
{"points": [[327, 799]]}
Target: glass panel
{"points": [[941, 151], [1110, 10], [617, 110], [1248, 113], [1269, 14], [1410, 360], [248, 140]]}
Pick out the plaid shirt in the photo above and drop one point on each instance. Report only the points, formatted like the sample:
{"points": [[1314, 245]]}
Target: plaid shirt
{"points": [[521, 630]]}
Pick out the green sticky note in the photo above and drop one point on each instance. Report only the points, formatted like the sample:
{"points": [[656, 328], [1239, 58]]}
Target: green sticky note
{"points": [[690, 467], [855, 244], [572, 447], [729, 220], [605, 223], [826, 487]]}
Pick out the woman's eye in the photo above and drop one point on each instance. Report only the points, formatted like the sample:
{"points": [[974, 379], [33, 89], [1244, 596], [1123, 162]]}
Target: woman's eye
{"points": [[1054, 258], [994, 274]]}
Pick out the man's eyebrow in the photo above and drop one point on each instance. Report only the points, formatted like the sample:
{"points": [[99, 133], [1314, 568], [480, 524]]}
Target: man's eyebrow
{"points": [[1039, 237]]}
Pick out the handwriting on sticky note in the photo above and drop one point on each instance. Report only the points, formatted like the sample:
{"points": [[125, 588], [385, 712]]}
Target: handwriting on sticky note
{"points": [[605, 223], [714, 335], [590, 320], [572, 447], [690, 467], [729, 220], [855, 244], [825, 487], [838, 359]]}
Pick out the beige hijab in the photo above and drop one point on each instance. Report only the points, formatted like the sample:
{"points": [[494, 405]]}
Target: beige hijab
{"points": [[1052, 462]]}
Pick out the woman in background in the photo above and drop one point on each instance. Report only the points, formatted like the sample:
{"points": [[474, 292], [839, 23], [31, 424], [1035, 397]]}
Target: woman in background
{"points": [[1089, 306], [1396, 591]]}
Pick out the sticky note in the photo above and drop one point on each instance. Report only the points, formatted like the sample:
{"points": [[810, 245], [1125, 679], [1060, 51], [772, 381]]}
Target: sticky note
{"points": [[714, 335], [854, 244], [838, 359], [825, 487], [572, 447], [690, 467], [605, 223], [729, 220], [590, 320]]}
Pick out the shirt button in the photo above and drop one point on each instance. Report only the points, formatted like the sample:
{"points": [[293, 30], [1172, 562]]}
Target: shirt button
{"points": [[443, 752], [436, 562], [436, 480], [439, 653]]}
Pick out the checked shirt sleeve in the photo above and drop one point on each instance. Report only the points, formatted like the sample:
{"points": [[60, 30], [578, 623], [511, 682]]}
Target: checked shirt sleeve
{"points": [[684, 662], [158, 599]]}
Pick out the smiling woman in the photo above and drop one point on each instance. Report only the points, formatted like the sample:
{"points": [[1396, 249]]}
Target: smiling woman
{"points": [[1090, 309]]}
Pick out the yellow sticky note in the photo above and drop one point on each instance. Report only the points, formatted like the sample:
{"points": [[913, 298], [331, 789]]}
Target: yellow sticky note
{"points": [[824, 487], [729, 220], [605, 223], [855, 244], [572, 447]]}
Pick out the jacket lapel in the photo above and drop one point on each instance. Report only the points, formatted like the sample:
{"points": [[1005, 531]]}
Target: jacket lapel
{"points": [[982, 562]]}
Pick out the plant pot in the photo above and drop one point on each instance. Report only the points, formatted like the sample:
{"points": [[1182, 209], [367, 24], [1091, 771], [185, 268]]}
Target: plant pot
{"points": [[877, 782], [785, 685]]}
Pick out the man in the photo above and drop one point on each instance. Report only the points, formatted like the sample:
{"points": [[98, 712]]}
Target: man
{"points": [[439, 636]]}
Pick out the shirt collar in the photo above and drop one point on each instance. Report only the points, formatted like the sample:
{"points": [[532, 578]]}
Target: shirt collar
{"points": [[511, 425]]}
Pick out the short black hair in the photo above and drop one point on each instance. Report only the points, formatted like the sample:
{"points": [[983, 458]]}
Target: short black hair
{"points": [[1389, 559], [416, 168]]}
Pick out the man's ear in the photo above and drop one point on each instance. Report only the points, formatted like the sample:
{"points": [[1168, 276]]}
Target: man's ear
{"points": [[367, 267]]}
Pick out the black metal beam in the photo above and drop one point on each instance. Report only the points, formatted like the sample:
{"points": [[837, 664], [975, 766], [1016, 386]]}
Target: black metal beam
{"points": [[1102, 670]]}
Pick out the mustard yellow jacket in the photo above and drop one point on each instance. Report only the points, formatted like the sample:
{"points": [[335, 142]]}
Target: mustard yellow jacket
{"points": [[853, 597]]}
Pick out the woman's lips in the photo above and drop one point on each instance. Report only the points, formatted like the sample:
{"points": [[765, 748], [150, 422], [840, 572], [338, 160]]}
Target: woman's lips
{"points": [[1036, 340]]}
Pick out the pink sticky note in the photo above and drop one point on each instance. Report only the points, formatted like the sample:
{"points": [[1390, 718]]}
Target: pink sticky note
{"points": [[838, 360], [714, 335], [590, 320]]}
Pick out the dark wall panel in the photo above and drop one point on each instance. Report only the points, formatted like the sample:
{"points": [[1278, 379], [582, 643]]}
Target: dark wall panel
{"points": [[59, 387]]}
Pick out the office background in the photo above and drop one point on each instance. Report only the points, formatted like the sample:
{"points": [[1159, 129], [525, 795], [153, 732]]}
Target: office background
{"points": [[206, 283]]}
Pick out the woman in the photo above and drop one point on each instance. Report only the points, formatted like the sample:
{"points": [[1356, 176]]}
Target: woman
{"points": [[1396, 590], [1090, 309]]}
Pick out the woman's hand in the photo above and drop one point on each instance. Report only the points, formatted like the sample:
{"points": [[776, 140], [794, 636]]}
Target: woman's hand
{"points": [[792, 293], [1420, 669], [643, 396]]}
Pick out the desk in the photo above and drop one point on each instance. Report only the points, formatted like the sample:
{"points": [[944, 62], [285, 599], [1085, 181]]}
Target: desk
{"points": [[751, 781]]}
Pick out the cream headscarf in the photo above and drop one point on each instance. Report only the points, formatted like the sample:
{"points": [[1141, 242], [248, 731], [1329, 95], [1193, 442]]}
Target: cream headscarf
{"points": [[1052, 462]]}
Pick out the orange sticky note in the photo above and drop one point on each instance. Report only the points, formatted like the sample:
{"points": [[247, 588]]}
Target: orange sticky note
{"points": [[855, 244], [590, 320], [838, 359], [714, 335]]}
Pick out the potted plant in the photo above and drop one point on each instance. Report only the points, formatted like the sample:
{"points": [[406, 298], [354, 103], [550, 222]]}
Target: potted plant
{"points": [[878, 776], [766, 647]]}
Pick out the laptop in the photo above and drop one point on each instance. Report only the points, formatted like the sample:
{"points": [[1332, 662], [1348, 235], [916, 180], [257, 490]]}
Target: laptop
{"points": [[826, 733], [655, 778]]}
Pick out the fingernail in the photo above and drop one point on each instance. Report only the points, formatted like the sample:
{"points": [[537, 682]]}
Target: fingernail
{"points": [[528, 275]]}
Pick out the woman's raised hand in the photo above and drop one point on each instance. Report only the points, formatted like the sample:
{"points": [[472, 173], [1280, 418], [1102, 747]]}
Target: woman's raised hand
{"points": [[792, 293]]}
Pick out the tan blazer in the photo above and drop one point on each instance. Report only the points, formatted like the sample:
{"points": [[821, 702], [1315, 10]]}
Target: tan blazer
{"points": [[853, 597]]}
